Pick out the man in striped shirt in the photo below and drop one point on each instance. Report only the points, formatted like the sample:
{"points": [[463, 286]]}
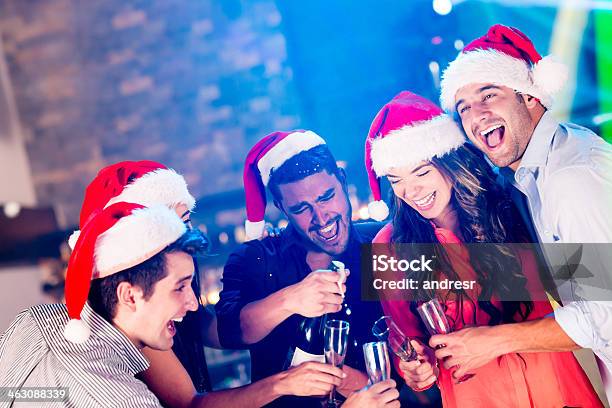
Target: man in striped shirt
{"points": [[141, 263]]}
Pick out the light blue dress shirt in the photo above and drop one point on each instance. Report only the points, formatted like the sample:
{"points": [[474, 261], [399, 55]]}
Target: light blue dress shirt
{"points": [[566, 177]]}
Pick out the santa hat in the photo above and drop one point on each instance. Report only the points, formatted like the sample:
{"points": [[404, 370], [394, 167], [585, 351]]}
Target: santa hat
{"points": [[144, 182], [406, 131], [504, 56], [120, 237], [266, 156]]}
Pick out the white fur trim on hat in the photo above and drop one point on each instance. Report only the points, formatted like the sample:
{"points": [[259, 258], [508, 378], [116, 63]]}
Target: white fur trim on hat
{"points": [[413, 143], [162, 186], [378, 210], [73, 238], [495, 67], [291, 145], [254, 230], [77, 331], [136, 238]]}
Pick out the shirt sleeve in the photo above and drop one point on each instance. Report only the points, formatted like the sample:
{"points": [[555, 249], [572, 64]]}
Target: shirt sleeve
{"points": [[588, 323], [237, 292], [580, 203], [21, 349]]}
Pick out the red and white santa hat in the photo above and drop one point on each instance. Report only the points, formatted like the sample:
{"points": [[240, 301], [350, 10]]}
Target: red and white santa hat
{"points": [[119, 237], [144, 182], [503, 56], [406, 131], [266, 156]]}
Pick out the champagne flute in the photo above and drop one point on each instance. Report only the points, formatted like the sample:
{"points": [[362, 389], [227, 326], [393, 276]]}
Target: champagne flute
{"points": [[378, 365], [336, 342], [385, 329], [435, 320]]}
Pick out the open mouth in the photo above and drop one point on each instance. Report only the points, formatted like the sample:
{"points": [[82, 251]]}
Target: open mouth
{"points": [[426, 202], [329, 232], [493, 136], [171, 326]]}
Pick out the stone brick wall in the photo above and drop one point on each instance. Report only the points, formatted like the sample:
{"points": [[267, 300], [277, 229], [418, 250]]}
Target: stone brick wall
{"points": [[189, 83]]}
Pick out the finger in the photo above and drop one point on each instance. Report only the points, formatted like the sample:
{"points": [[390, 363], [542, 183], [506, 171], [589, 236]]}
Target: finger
{"points": [[331, 308], [332, 298], [325, 368], [425, 369], [451, 362], [328, 276], [461, 371], [320, 388], [418, 346], [329, 287], [426, 383], [389, 395], [443, 352], [328, 379], [439, 340], [380, 387], [409, 366]]}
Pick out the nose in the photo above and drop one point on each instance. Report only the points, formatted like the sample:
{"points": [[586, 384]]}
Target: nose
{"points": [[412, 191], [319, 215], [480, 112], [191, 302]]}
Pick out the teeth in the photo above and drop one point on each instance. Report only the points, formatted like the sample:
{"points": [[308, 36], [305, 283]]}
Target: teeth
{"points": [[489, 130], [177, 319], [424, 201], [328, 228]]}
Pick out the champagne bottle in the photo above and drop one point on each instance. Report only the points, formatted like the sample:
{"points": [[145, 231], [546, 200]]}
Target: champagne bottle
{"points": [[308, 343]]}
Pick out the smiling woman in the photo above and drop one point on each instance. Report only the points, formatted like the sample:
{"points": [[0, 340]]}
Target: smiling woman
{"points": [[447, 194]]}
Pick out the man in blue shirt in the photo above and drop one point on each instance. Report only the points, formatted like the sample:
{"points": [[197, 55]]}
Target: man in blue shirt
{"points": [[501, 90]]}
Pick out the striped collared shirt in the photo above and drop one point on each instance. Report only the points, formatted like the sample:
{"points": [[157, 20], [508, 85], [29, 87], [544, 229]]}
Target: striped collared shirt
{"points": [[97, 373]]}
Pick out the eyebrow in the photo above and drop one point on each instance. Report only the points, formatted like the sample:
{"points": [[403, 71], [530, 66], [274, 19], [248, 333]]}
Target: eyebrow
{"points": [[484, 88], [319, 198], [412, 172], [183, 279]]}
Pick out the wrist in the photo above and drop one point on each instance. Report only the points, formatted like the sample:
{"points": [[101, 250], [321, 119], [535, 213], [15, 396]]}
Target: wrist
{"points": [[505, 339], [287, 304], [278, 384]]}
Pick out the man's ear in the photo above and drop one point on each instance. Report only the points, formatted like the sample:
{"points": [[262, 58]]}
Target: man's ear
{"points": [[127, 294], [530, 101]]}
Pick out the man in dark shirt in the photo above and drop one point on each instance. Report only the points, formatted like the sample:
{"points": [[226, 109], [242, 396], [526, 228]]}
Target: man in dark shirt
{"points": [[269, 285]]}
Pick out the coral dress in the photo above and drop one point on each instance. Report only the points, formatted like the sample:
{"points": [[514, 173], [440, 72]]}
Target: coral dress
{"points": [[547, 379]]}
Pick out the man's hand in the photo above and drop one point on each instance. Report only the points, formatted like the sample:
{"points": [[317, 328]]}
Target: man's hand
{"points": [[317, 294], [422, 372], [354, 380], [382, 394], [309, 379], [468, 349]]}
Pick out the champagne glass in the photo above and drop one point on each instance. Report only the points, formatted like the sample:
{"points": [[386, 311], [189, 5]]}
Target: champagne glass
{"points": [[378, 365], [435, 320], [385, 329], [336, 342]]}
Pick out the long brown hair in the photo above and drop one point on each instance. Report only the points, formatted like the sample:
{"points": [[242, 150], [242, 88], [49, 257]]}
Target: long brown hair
{"points": [[486, 215]]}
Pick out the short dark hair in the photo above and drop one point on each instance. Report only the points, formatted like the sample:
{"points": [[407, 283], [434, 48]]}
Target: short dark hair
{"points": [[103, 292], [302, 165]]}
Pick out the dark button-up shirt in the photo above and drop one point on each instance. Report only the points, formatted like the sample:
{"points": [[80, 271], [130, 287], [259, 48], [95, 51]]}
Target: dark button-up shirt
{"points": [[259, 268]]}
